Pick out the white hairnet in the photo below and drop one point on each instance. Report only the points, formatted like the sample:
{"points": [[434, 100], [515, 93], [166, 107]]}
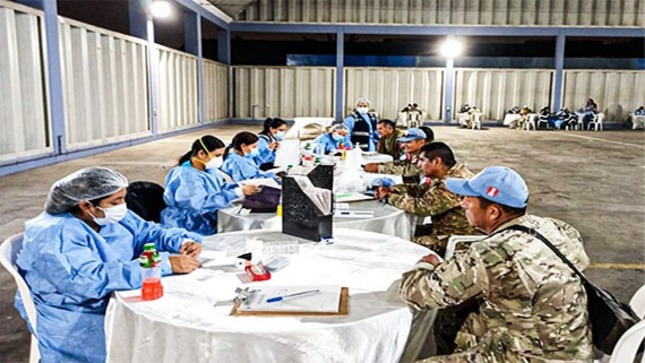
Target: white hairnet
{"points": [[363, 99], [85, 184], [338, 127]]}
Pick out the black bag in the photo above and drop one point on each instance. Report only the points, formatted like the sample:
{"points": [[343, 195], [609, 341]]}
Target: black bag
{"points": [[610, 318], [266, 201]]}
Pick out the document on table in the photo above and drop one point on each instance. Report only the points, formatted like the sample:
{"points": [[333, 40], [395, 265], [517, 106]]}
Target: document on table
{"points": [[322, 299], [262, 182], [351, 197], [322, 198]]}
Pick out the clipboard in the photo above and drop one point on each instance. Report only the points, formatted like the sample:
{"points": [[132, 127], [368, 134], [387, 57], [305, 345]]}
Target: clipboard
{"points": [[343, 309]]}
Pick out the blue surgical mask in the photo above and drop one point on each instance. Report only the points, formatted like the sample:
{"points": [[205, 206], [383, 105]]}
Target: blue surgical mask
{"points": [[253, 153], [337, 137], [279, 135], [362, 109]]}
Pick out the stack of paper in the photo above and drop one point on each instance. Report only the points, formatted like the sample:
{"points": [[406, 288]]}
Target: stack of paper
{"points": [[322, 198]]}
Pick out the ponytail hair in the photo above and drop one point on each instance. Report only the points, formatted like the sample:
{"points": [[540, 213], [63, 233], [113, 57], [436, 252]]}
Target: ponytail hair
{"points": [[241, 138], [207, 143], [271, 123]]}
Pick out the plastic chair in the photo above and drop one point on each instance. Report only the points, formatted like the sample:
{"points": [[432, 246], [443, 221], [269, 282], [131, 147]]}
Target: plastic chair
{"points": [[627, 346], [146, 200], [530, 121], [543, 120], [596, 121], [9, 251], [454, 240], [637, 302], [477, 121]]}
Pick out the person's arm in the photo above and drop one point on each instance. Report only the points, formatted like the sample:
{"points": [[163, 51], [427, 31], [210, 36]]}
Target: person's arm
{"points": [[266, 154], [405, 169], [71, 265], [574, 250], [191, 194], [449, 283], [424, 201], [349, 122]]}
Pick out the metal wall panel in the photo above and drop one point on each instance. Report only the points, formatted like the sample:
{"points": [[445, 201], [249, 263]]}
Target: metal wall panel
{"points": [[24, 118], [105, 85], [494, 91], [455, 12], [215, 91], [177, 101], [286, 92], [617, 92], [391, 89]]}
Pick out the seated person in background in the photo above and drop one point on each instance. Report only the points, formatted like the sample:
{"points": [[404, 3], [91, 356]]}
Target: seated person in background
{"points": [[82, 248], [638, 118], [196, 189], [332, 140], [545, 115], [238, 158], [388, 142], [531, 305], [268, 141], [524, 112], [429, 133], [362, 126], [472, 110], [463, 116], [590, 110], [432, 199], [406, 166], [564, 118], [512, 117]]}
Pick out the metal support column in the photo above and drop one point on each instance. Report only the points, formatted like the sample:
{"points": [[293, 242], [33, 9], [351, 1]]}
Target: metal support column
{"points": [[558, 83], [153, 62], [224, 56], [449, 89], [340, 74]]}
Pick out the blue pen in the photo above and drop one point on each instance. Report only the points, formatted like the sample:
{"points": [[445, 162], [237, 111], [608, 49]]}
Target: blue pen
{"points": [[297, 294]]}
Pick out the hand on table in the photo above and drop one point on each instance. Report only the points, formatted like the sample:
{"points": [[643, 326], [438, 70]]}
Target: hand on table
{"points": [[432, 259], [382, 193], [190, 248], [250, 189], [371, 167], [183, 264]]}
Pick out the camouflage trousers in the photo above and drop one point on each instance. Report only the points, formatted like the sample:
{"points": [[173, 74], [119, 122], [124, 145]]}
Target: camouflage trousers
{"points": [[436, 243]]}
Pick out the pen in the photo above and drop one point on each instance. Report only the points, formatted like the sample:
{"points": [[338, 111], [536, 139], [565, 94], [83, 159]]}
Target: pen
{"points": [[297, 294]]}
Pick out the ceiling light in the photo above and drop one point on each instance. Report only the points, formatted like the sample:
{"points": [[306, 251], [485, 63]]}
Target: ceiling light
{"points": [[160, 9], [451, 48]]}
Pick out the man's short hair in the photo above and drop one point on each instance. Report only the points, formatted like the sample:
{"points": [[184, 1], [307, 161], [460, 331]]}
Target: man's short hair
{"points": [[388, 123], [441, 150], [484, 203]]}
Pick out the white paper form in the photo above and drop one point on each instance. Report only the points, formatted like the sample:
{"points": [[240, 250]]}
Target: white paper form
{"points": [[288, 153], [322, 198], [326, 300]]}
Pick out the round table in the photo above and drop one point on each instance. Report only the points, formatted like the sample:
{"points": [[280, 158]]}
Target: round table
{"points": [[387, 220], [191, 322]]}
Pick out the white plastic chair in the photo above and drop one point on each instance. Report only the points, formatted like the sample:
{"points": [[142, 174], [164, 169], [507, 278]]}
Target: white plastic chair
{"points": [[414, 119], [627, 346], [637, 302], [453, 240], [9, 251], [530, 121], [596, 121], [477, 121]]}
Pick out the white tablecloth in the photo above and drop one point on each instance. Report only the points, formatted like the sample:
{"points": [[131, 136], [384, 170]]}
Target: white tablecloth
{"points": [[387, 220], [191, 322]]}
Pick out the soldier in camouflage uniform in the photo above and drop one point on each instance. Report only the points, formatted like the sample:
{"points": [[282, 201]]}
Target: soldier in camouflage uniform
{"points": [[412, 140], [388, 142], [432, 199], [532, 306]]}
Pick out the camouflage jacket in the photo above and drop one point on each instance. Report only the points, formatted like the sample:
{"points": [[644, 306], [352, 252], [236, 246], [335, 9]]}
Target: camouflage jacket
{"points": [[532, 307], [390, 145], [406, 166]]}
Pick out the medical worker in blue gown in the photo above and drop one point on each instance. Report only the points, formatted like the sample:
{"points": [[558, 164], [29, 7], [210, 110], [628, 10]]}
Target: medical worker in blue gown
{"points": [[268, 142], [82, 248], [239, 158], [196, 189], [330, 141]]}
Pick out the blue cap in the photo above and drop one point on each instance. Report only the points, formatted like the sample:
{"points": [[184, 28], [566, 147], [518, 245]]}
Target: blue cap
{"points": [[412, 134], [498, 184]]}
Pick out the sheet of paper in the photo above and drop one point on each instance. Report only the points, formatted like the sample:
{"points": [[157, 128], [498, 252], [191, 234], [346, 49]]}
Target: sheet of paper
{"points": [[269, 182], [287, 154], [344, 197], [322, 198], [327, 299]]}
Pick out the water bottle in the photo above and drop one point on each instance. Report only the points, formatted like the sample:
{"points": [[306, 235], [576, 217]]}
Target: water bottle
{"points": [[150, 263]]}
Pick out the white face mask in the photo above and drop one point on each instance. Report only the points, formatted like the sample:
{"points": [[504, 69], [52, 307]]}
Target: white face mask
{"points": [[214, 163], [112, 214], [362, 109]]}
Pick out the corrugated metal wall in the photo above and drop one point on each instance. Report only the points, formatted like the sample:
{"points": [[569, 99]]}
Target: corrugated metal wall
{"points": [[390, 89], [453, 12], [288, 92], [616, 92], [177, 103], [23, 102], [215, 88], [496, 90], [105, 85]]}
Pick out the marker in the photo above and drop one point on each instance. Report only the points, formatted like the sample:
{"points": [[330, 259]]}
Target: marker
{"points": [[297, 294]]}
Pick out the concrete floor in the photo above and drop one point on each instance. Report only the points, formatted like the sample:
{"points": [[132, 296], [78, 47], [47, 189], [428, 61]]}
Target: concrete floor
{"points": [[592, 180]]}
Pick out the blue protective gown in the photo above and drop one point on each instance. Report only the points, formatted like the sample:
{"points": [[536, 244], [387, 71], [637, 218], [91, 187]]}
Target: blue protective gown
{"points": [[243, 168], [326, 143], [71, 271], [266, 155], [193, 198]]}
